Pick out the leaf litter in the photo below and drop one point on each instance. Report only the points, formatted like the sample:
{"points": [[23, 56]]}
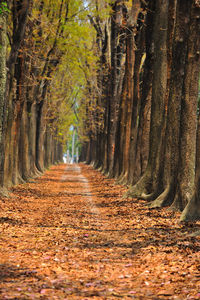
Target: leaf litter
{"points": [[72, 236]]}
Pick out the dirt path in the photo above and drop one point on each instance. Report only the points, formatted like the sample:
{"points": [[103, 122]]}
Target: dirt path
{"points": [[71, 235]]}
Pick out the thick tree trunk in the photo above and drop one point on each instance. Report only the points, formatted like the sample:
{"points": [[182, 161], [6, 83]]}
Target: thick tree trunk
{"points": [[187, 145], [40, 134], [82, 157], [149, 186], [128, 104], [89, 151], [141, 122], [125, 114], [32, 126], [15, 140], [117, 159], [182, 111], [176, 62], [20, 13], [24, 158], [60, 152], [117, 41], [98, 160], [122, 125], [192, 208], [134, 164], [19, 106], [48, 147], [8, 162], [3, 76]]}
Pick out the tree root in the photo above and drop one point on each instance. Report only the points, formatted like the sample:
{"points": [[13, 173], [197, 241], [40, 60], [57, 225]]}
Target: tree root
{"points": [[191, 211], [37, 173], [120, 177], [123, 179], [98, 165], [176, 205], [150, 197], [4, 193], [139, 189], [194, 234], [163, 199]]}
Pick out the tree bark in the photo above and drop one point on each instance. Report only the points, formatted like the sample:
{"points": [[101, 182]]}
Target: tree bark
{"points": [[117, 40], [192, 208], [188, 122], [149, 186], [40, 134], [3, 77], [20, 10]]}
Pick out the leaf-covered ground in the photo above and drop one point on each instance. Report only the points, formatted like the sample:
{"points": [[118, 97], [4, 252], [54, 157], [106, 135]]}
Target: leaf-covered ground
{"points": [[71, 235]]}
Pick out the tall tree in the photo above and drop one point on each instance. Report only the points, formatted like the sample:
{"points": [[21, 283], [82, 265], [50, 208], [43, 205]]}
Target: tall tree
{"points": [[3, 77], [182, 112], [189, 193], [149, 186]]}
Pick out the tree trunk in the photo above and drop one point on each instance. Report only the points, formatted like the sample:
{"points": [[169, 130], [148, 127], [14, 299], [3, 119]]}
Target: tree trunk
{"points": [[134, 165], [192, 209], [128, 103], [149, 186], [176, 61], [40, 134], [24, 158], [141, 121], [48, 147], [32, 126], [117, 41], [3, 76], [20, 11]]}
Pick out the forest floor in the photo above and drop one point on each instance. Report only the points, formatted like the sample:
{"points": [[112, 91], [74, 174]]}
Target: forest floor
{"points": [[71, 235]]}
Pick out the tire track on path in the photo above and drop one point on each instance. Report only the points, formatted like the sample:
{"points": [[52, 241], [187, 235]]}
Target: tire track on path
{"points": [[77, 176]]}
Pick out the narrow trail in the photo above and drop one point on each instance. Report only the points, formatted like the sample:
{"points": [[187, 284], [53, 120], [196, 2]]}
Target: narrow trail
{"points": [[71, 235], [74, 171]]}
